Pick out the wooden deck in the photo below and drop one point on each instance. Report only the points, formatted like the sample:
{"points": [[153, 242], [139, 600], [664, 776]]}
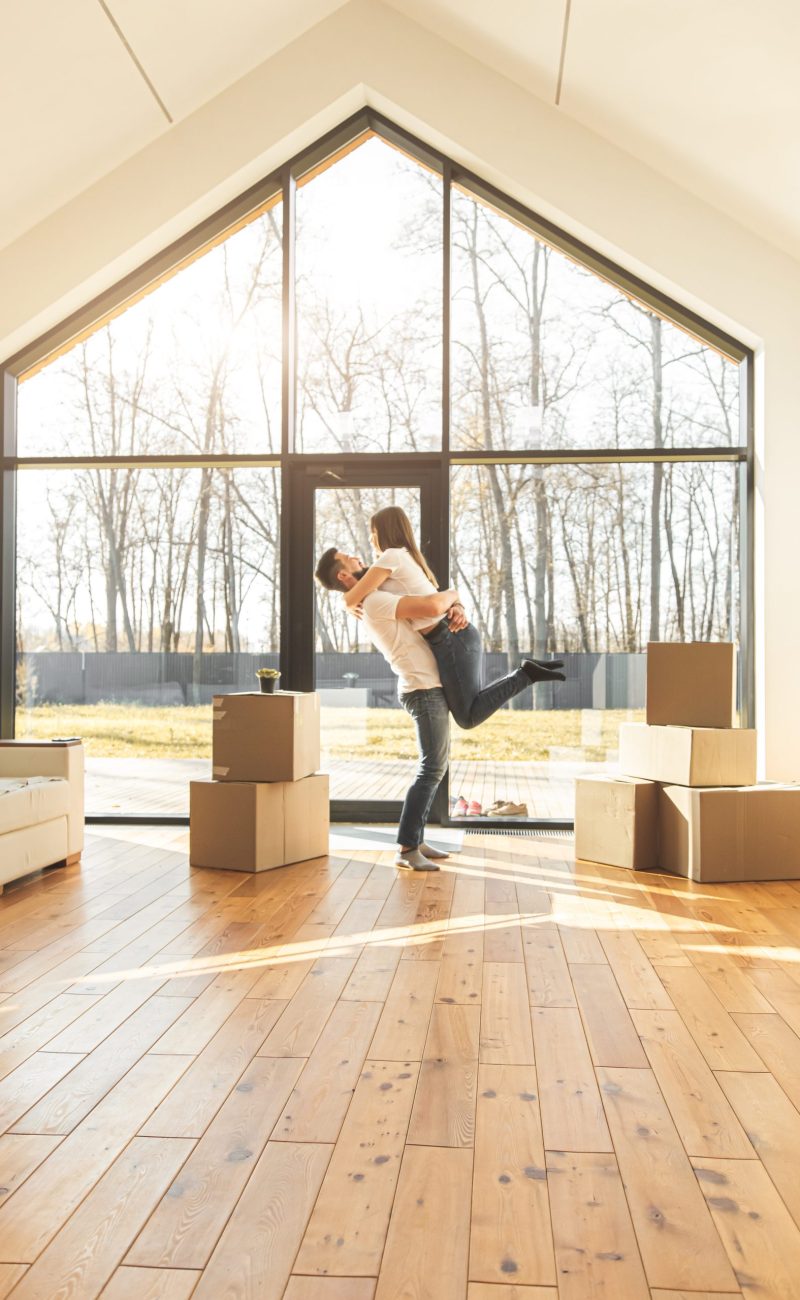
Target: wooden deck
{"points": [[519, 1079], [160, 787]]}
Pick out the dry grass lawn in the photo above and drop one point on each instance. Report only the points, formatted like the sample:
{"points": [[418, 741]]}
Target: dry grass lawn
{"points": [[133, 731]]}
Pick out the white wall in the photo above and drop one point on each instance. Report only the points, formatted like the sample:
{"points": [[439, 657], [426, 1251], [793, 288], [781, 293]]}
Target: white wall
{"points": [[365, 53]]}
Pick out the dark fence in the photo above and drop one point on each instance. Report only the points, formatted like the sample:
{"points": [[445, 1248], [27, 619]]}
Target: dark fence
{"points": [[594, 681]]}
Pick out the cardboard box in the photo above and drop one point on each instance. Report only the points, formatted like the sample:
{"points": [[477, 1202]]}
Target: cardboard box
{"points": [[249, 826], [695, 756], [265, 737], [691, 684], [616, 821], [750, 833]]}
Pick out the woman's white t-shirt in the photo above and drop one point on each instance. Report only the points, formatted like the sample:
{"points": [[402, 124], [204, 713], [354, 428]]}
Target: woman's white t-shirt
{"points": [[406, 578]]}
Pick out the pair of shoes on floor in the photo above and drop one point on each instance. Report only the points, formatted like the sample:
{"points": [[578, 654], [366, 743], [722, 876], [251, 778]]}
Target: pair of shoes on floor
{"points": [[460, 807], [505, 808]]}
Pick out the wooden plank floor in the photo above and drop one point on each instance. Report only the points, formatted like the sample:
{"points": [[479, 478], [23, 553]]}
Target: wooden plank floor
{"points": [[520, 1079]]}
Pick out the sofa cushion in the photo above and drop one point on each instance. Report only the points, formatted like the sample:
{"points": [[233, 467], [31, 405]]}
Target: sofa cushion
{"points": [[27, 801]]}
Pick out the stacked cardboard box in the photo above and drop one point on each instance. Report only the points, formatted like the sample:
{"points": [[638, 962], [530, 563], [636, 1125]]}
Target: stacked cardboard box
{"points": [[265, 806], [686, 799]]}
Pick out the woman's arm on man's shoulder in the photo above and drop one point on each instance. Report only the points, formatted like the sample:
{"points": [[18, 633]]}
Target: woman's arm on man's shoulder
{"points": [[370, 582]]}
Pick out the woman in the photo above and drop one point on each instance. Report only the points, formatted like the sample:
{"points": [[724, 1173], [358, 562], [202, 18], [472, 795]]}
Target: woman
{"points": [[401, 569]]}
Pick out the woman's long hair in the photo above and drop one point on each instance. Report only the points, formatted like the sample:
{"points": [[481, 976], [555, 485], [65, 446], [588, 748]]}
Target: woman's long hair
{"points": [[392, 527]]}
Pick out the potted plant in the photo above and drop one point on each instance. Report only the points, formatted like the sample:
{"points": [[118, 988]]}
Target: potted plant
{"points": [[267, 679], [350, 680]]}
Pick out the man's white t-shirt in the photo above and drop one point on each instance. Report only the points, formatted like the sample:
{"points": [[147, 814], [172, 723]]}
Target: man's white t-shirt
{"points": [[406, 578], [408, 654]]}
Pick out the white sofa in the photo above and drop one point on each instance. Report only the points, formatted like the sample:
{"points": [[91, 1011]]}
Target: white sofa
{"points": [[41, 805]]}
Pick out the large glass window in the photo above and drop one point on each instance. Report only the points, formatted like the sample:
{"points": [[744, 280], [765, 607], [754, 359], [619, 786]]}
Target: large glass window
{"points": [[369, 304], [548, 355], [190, 442], [585, 563], [193, 368], [142, 593]]}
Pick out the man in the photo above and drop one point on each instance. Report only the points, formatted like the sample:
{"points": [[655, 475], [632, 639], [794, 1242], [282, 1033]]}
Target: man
{"points": [[419, 687]]}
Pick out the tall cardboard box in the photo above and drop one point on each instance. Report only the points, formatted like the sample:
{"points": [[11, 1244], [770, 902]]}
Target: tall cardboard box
{"points": [[616, 821], [749, 833], [259, 737], [694, 756], [691, 684], [250, 826]]}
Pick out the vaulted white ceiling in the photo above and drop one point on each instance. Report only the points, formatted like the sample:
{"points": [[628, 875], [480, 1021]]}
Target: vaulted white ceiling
{"points": [[707, 93]]}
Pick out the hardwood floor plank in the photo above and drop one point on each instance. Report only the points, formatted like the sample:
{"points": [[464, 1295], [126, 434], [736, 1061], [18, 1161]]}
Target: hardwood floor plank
{"points": [[677, 1239], [549, 982], [696, 1295], [321, 1095], [330, 1288], [10, 1275], [428, 1240], [188, 1222], [151, 1284], [108, 1013], [773, 1126], [30, 1081], [511, 1231], [37, 1030], [296, 1031], [71, 1100], [83, 1255], [20, 1154], [205, 1015], [403, 1024], [778, 1046], [610, 1031], [716, 1034], [444, 1107], [596, 1251], [636, 977], [501, 936], [255, 1253], [27, 1222], [573, 1118], [581, 946], [759, 1234], [506, 1037], [204, 1086], [703, 1117], [508, 1291], [373, 973], [347, 1231]]}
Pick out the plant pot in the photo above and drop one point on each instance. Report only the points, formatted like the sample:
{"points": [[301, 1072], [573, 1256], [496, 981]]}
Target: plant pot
{"points": [[268, 685]]}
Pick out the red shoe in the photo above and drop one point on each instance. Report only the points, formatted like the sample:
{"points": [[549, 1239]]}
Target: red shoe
{"points": [[460, 808], [474, 809]]}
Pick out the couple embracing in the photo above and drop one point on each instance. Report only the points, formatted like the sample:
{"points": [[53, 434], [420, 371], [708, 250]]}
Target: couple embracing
{"points": [[434, 652]]}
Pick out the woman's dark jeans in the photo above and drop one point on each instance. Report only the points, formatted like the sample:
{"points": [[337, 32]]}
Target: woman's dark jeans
{"points": [[432, 721], [459, 657]]}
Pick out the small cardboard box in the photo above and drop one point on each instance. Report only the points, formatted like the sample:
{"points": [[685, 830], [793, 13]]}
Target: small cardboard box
{"points": [[245, 826], [265, 737], [616, 821], [695, 756], [691, 684], [750, 833]]}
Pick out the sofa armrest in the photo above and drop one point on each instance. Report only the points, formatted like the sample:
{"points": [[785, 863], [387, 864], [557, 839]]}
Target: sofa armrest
{"points": [[58, 758]]}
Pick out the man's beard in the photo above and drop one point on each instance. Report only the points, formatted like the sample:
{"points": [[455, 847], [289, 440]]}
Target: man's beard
{"points": [[360, 573]]}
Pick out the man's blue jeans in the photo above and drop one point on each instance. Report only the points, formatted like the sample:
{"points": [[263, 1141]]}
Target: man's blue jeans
{"points": [[432, 721], [459, 656]]}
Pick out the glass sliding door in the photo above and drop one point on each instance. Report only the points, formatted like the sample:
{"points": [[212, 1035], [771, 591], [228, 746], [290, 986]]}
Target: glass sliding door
{"points": [[368, 742]]}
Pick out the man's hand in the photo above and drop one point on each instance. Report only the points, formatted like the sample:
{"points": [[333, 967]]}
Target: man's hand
{"points": [[456, 618]]}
